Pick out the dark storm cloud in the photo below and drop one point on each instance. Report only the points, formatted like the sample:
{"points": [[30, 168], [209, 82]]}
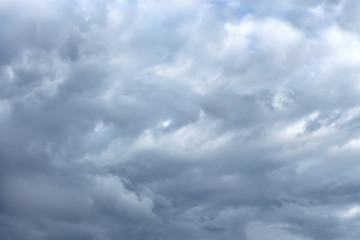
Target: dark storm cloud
{"points": [[179, 120]]}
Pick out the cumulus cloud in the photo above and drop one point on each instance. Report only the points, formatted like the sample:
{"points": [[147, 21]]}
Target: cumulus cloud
{"points": [[179, 119]]}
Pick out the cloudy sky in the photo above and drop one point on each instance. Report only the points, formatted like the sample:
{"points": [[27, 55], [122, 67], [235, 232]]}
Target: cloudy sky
{"points": [[179, 119]]}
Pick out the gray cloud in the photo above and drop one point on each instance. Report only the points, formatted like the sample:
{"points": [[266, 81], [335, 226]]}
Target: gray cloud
{"points": [[179, 120]]}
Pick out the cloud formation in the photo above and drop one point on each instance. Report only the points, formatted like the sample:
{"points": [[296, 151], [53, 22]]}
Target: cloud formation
{"points": [[156, 119]]}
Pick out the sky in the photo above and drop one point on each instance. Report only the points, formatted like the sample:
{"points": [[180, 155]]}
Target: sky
{"points": [[179, 119]]}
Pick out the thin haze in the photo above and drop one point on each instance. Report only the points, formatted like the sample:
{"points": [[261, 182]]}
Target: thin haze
{"points": [[181, 119]]}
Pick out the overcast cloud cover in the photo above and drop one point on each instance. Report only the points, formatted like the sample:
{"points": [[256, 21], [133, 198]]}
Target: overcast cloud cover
{"points": [[181, 119]]}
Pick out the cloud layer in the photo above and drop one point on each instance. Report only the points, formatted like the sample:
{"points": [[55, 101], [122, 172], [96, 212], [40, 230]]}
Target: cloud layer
{"points": [[156, 119]]}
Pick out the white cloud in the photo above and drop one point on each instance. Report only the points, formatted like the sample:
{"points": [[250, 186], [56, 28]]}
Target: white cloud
{"points": [[179, 119]]}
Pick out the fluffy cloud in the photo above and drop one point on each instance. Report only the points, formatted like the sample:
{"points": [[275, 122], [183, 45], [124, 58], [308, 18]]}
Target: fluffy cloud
{"points": [[179, 120]]}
